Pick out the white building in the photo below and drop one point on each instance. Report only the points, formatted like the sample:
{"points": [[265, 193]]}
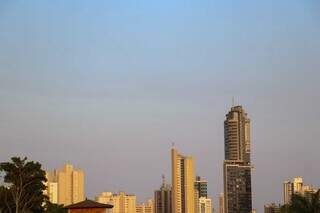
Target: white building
{"points": [[205, 205]]}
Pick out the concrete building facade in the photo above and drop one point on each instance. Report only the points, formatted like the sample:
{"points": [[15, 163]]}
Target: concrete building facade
{"points": [[65, 186], [163, 199], [237, 164], [205, 205], [122, 202], [221, 203], [147, 207], [201, 186], [183, 178], [271, 208]]}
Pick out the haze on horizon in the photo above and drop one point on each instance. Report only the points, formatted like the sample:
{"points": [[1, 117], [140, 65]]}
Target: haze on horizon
{"points": [[108, 86]]}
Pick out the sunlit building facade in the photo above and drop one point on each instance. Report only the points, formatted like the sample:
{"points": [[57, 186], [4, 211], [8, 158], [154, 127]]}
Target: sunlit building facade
{"points": [[183, 178]]}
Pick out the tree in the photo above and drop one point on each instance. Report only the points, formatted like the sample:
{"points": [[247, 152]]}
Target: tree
{"points": [[301, 204], [25, 180], [6, 202], [54, 208]]}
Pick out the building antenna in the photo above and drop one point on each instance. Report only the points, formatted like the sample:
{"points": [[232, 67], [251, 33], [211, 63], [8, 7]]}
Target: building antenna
{"points": [[232, 101]]}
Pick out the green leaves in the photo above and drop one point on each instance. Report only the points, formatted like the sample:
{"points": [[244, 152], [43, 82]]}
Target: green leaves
{"points": [[25, 180]]}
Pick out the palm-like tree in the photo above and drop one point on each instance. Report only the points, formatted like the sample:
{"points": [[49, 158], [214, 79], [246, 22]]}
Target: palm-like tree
{"points": [[301, 204]]}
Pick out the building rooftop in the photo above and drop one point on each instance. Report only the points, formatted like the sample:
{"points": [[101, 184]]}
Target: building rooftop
{"points": [[88, 204]]}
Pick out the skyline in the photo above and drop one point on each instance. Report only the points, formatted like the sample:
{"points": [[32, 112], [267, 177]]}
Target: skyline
{"points": [[105, 78]]}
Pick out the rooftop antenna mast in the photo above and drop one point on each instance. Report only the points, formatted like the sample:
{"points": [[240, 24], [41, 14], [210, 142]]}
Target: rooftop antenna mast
{"points": [[232, 101]]}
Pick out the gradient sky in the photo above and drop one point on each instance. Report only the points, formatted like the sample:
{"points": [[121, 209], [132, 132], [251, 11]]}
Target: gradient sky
{"points": [[109, 85]]}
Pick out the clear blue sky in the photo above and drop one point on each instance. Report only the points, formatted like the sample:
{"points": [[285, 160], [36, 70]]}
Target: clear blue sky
{"points": [[108, 85]]}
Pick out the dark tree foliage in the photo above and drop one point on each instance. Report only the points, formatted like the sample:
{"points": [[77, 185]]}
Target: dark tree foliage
{"points": [[24, 186], [54, 208], [301, 204]]}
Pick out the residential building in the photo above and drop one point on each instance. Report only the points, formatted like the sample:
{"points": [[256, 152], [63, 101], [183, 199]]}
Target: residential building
{"points": [[297, 185], [205, 205], [221, 203], [122, 202], [287, 192], [163, 198], [237, 164], [201, 186], [147, 207], [51, 188], [183, 179], [65, 186], [271, 208]]}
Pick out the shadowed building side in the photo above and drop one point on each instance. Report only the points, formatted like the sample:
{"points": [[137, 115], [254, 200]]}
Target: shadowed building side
{"points": [[237, 166]]}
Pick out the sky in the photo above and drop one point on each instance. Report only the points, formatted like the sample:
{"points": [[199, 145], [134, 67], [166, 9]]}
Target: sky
{"points": [[109, 86]]}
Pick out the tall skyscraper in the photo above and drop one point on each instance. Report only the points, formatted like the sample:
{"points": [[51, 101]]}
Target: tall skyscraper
{"points": [[122, 202], [237, 164], [65, 186], [201, 186], [221, 203], [287, 192], [163, 198], [183, 178]]}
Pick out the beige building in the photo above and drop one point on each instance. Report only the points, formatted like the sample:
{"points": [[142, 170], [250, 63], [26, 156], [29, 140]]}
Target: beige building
{"points": [[183, 178], [205, 205], [66, 186], [221, 203], [51, 188], [287, 192], [147, 207], [122, 202], [296, 187]]}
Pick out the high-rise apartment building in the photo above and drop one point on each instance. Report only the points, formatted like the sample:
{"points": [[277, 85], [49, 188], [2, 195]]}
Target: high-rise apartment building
{"points": [[122, 202], [163, 198], [201, 186], [297, 185], [70, 185], [205, 205], [271, 208], [183, 178], [65, 186], [51, 187], [292, 187], [287, 192], [237, 164], [221, 203]]}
